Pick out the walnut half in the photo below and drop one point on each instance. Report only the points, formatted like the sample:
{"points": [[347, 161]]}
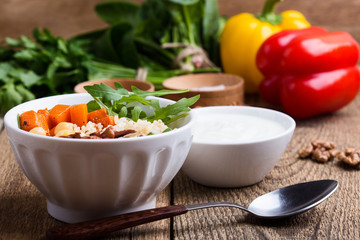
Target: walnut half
{"points": [[320, 151], [350, 157]]}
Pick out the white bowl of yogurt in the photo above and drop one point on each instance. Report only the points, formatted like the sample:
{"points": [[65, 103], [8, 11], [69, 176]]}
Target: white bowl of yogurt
{"points": [[236, 146]]}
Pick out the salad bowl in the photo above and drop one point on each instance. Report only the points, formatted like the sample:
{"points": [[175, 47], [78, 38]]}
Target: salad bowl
{"points": [[84, 179]]}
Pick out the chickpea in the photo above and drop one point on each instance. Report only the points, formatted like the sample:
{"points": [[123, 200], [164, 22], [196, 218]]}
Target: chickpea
{"points": [[64, 133], [63, 126], [38, 130]]}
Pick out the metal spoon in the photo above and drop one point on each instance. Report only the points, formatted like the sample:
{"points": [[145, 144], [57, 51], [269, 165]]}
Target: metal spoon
{"points": [[280, 203]]}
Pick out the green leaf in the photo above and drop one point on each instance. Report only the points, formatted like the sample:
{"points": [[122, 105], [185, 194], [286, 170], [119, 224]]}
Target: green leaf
{"points": [[29, 78], [171, 111], [44, 66], [5, 53], [210, 22], [28, 43], [133, 99], [126, 50], [61, 44], [212, 26], [12, 42], [122, 102], [93, 106], [123, 112], [155, 52], [184, 2], [135, 113], [25, 55], [156, 93], [107, 47], [117, 12], [45, 37], [5, 69], [155, 104], [25, 93], [155, 20], [9, 97], [105, 92]]}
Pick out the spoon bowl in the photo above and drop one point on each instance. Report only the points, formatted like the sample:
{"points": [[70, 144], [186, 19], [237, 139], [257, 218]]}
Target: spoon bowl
{"points": [[283, 202], [293, 199]]}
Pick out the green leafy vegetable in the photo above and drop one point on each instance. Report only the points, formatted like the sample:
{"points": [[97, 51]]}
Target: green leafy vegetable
{"points": [[44, 66], [150, 36], [114, 13], [136, 105], [154, 34]]}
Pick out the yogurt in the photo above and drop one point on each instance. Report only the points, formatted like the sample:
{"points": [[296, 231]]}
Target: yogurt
{"points": [[228, 128]]}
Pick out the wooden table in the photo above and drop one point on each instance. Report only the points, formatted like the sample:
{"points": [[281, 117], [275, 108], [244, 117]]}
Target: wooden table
{"points": [[24, 215]]}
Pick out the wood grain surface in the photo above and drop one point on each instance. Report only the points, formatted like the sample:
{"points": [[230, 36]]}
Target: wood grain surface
{"points": [[23, 212], [336, 218], [23, 208]]}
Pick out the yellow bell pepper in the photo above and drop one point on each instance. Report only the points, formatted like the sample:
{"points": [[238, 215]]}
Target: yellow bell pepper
{"points": [[243, 35]]}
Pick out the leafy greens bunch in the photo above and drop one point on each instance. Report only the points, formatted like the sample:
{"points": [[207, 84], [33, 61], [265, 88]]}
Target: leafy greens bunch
{"points": [[48, 65], [44, 66], [135, 105], [137, 34]]}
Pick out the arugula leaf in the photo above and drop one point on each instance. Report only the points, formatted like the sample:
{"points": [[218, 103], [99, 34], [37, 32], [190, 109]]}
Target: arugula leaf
{"points": [[133, 99], [169, 113], [93, 106], [135, 105], [135, 113], [105, 92], [156, 93], [123, 112]]}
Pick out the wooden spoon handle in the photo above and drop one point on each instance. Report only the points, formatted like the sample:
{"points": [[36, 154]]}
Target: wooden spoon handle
{"points": [[96, 228]]}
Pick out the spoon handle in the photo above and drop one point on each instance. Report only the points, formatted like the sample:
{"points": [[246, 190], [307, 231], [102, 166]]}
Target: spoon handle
{"points": [[96, 228]]}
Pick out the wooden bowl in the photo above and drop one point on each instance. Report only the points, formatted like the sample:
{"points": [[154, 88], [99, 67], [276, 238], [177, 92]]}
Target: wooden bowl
{"points": [[215, 89], [126, 83]]}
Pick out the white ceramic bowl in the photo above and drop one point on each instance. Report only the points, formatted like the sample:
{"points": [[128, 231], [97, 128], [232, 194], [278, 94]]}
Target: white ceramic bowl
{"points": [[85, 179], [236, 146]]}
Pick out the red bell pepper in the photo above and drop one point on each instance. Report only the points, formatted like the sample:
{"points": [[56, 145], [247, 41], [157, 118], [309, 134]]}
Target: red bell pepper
{"points": [[309, 71]]}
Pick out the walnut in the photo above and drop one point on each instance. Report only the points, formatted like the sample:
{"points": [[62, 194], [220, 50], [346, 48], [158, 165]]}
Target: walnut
{"points": [[321, 155], [333, 152], [320, 151], [306, 152], [323, 144], [351, 157]]}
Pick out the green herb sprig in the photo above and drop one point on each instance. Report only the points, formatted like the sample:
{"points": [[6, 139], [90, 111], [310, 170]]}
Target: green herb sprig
{"points": [[136, 104]]}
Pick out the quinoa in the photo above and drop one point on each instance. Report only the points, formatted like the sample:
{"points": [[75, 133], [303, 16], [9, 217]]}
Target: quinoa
{"points": [[141, 127]]}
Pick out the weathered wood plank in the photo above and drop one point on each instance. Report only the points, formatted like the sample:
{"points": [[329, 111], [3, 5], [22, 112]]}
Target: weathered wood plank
{"points": [[23, 207], [336, 218]]}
